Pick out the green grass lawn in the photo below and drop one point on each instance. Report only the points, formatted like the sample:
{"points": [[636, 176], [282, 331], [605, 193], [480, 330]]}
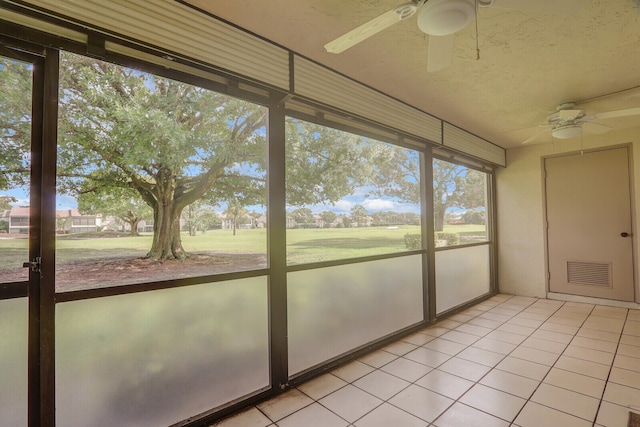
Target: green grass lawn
{"points": [[303, 245]]}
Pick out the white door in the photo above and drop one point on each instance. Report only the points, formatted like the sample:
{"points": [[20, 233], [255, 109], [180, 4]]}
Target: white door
{"points": [[590, 250]]}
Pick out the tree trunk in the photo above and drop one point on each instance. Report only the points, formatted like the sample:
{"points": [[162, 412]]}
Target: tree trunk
{"points": [[133, 223], [235, 221], [167, 243], [438, 214]]}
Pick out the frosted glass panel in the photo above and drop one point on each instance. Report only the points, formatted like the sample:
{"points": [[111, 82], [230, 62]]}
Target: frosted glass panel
{"points": [[156, 358], [336, 309], [461, 275], [13, 362]]}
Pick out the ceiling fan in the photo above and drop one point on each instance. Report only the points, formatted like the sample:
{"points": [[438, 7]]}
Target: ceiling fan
{"points": [[441, 19], [569, 122]]}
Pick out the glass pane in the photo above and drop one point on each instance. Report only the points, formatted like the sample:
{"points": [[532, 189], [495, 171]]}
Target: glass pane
{"points": [[155, 358], [157, 179], [461, 275], [348, 196], [15, 166], [13, 362], [459, 204], [337, 309]]}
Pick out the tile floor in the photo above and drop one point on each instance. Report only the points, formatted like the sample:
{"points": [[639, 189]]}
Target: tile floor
{"points": [[508, 361]]}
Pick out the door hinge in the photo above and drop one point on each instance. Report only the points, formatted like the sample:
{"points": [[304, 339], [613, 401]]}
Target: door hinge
{"points": [[548, 275], [33, 265]]}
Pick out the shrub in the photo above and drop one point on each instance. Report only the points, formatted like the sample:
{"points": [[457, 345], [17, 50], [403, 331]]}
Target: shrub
{"points": [[451, 238], [413, 241], [473, 217]]}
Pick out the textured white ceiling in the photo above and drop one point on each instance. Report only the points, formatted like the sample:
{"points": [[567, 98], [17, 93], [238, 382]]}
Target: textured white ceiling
{"points": [[529, 62]]}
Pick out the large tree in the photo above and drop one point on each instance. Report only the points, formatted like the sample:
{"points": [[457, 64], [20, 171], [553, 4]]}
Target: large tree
{"points": [[235, 210], [168, 141], [122, 203], [6, 202], [303, 217], [15, 123], [455, 186], [328, 218], [359, 215]]}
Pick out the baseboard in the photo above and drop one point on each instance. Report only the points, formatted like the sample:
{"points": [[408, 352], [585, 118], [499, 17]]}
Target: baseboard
{"points": [[591, 300]]}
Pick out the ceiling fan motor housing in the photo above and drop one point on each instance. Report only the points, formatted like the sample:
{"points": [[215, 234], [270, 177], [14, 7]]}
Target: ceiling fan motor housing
{"points": [[445, 17]]}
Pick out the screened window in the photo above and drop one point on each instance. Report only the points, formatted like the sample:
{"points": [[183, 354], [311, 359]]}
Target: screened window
{"points": [[459, 204], [160, 179], [348, 196], [15, 165]]}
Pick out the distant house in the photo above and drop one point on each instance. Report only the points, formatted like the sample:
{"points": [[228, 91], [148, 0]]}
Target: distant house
{"points": [[71, 221], [19, 221], [68, 221], [261, 221], [145, 226]]}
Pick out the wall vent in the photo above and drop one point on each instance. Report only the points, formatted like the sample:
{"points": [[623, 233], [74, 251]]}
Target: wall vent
{"points": [[589, 273]]}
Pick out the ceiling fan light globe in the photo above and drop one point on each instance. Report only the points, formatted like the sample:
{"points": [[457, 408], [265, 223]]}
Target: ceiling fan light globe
{"points": [[445, 17], [566, 132]]}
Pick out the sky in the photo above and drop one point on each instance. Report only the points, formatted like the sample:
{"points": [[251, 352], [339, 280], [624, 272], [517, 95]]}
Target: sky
{"points": [[343, 206]]}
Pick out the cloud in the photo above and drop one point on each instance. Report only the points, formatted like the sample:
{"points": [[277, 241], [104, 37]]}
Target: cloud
{"points": [[377, 205]]}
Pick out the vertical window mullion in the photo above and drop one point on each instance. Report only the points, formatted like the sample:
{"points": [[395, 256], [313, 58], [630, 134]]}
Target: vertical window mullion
{"points": [[47, 235], [428, 236], [276, 246]]}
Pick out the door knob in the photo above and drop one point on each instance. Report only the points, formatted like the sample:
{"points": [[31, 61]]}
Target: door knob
{"points": [[624, 234]]}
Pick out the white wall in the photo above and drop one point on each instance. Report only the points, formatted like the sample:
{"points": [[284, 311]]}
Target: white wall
{"points": [[519, 188]]}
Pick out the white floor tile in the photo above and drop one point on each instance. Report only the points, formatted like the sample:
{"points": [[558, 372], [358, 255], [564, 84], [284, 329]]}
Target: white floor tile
{"points": [[350, 402], [378, 358], [322, 386], [584, 367], [511, 383], [625, 377], [532, 370], [462, 415], [427, 357], [445, 384], [285, 404], [399, 348], [314, 415], [498, 403], [622, 395], [611, 415], [463, 368], [406, 369], [422, 403], [445, 346], [352, 371], [381, 384], [575, 382], [576, 404], [536, 415], [535, 355], [483, 357], [388, 415]]}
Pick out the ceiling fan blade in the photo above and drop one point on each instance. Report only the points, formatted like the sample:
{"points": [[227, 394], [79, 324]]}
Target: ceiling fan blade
{"points": [[591, 127], [364, 31], [440, 52], [554, 7], [618, 113], [536, 136]]}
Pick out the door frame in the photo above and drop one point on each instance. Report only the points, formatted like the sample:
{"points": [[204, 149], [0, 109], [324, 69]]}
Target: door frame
{"points": [[634, 240]]}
